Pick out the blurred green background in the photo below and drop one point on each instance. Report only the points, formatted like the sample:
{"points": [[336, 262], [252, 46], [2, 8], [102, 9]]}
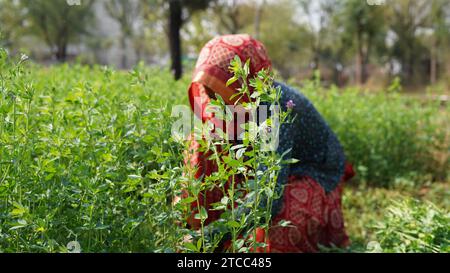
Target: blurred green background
{"points": [[85, 122], [363, 42]]}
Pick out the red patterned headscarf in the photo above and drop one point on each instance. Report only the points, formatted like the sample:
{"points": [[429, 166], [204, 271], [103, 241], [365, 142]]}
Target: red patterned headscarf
{"points": [[212, 68]]}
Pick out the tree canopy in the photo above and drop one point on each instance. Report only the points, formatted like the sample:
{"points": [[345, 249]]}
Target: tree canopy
{"points": [[349, 41]]}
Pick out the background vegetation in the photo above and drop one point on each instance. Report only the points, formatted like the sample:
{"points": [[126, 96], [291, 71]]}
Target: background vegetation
{"points": [[86, 153], [87, 156], [351, 42]]}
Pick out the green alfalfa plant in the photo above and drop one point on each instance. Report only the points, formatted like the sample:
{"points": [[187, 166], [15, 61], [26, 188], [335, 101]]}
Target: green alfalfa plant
{"points": [[412, 226], [265, 163], [15, 105], [84, 148], [100, 198], [246, 205]]}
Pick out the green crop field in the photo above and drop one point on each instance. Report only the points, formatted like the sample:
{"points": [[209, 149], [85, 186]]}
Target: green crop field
{"points": [[87, 156]]}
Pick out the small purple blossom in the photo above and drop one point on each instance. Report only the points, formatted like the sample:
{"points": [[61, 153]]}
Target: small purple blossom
{"points": [[290, 104], [215, 135], [269, 129]]}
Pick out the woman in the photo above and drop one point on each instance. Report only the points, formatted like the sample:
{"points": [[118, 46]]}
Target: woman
{"points": [[311, 198]]}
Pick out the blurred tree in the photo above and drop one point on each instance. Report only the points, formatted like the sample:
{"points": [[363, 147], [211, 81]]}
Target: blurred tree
{"points": [[260, 4], [151, 39], [197, 32], [229, 15], [406, 17], [258, 16], [11, 23], [175, 24], [125, 12], [57, 23], [315, 21], [363, 28], [179, 13], [234, 16], [338, 37], [334, 53], [285, 38], [439, 24]]}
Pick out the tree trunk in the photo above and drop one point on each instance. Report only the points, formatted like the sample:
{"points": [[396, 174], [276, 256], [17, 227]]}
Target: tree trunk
{"points": [[258, 14], [359, 61], [61, 53], [175, 23], [365, 63], [123, 45], [234, 17], [316, 59], [433, 62], [410, 70]]}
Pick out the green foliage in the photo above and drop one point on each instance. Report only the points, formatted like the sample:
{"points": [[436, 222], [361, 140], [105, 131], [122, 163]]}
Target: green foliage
{"points": [[411, 226], [388, 137], [87, 155], [10, 19], [58, 23], [365, 208], [242, 213]]}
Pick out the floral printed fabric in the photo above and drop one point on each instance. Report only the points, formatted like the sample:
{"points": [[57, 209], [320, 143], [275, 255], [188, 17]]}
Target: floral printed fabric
{"points": [[315, 218], [311, 192], [311, 141]]}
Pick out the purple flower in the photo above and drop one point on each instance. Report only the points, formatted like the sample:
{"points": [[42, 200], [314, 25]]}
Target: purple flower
{"points": [[269, 129], [290, 104], [215, 136]]}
